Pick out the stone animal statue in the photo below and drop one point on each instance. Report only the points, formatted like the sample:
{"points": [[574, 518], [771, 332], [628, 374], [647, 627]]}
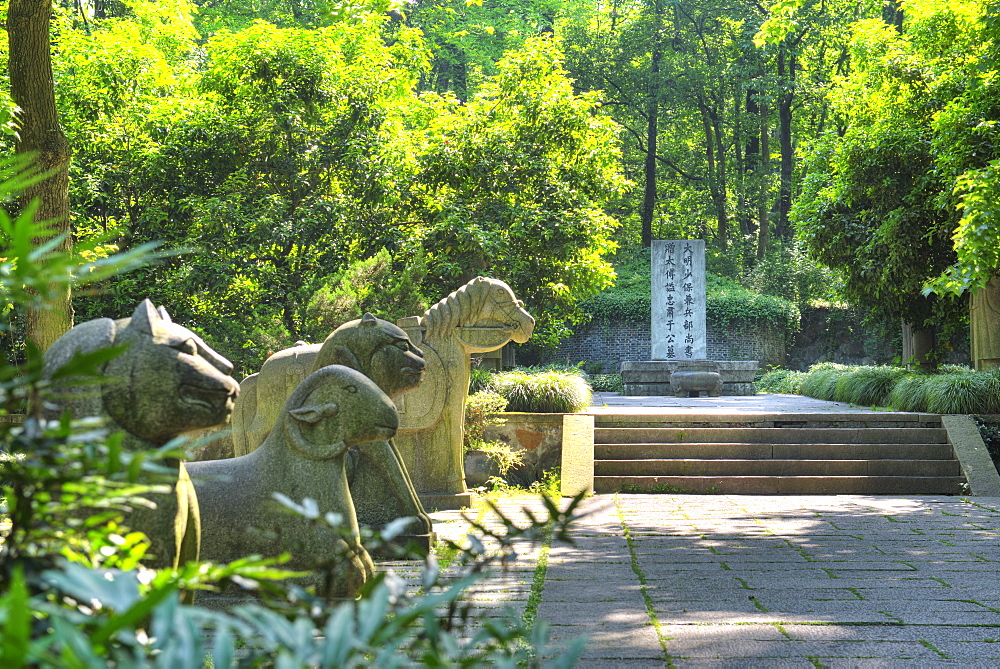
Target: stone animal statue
{"points": [[334, 409], [166, 382], [483, 315], [380, 484]]}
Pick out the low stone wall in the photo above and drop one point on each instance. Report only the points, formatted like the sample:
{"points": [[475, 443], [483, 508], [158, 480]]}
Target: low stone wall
{"points": [[827, 334], [538, 435], [652, 377], [618, 342]]}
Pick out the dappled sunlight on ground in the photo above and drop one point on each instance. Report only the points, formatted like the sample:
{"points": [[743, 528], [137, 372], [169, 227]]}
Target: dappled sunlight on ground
{"points": [[716, 579]]}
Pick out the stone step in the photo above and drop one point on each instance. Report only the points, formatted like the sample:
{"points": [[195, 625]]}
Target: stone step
{"points": [[770, 435], [784, 485], [743, 468], [753, 451], [876, 419]]}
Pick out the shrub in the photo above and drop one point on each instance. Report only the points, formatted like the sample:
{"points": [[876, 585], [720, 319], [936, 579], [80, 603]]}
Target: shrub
{"points": [[381, 285], [502, 455], [607, 383], [479, 380], [543, 391], [785, 381], [788, 272], [480, 410]]}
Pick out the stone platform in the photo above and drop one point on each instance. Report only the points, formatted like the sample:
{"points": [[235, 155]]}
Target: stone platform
{"points": [[652, 377]]}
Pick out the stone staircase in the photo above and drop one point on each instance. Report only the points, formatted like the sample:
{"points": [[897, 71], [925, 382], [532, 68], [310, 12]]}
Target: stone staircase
{"points": [[783, 454]]}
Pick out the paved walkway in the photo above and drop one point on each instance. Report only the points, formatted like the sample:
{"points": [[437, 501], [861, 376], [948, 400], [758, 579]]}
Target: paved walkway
{"points": [[758, 581], [765, 581], [759, 403]]}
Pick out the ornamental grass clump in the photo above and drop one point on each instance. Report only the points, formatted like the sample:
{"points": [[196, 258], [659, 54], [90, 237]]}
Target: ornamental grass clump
{"points": [[909, 393], [821, 380], [963, 393], [543, 391], [868, 385]]}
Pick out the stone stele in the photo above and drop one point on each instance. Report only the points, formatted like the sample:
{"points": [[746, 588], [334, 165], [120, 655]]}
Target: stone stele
{"points": [[334, 409], [483, 315], [379, 482], [165, 383], [677, 290]]}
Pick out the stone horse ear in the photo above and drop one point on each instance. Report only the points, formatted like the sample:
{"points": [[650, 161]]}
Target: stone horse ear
{"points": [[368, 320], [144, 316], [164, 316]]}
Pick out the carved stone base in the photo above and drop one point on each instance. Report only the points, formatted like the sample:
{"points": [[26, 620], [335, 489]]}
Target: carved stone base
{"points": [[691, 384], [446, 501], [652, 377]]}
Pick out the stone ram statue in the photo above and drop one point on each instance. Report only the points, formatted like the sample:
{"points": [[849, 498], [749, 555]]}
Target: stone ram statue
{"points": [[332, 410], [380, 484]]}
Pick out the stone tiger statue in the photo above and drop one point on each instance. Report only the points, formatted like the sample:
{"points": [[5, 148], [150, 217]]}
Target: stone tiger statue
{"points": [[379, 481]]}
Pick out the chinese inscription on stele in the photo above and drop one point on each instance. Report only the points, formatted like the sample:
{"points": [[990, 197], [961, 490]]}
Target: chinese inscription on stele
{"points": [[678, 299]]}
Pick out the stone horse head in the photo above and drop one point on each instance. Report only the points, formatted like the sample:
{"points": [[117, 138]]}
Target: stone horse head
{"points": [[483, 315]]}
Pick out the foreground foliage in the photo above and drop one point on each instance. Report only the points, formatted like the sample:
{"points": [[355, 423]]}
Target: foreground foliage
{"points": [[75, 593]]}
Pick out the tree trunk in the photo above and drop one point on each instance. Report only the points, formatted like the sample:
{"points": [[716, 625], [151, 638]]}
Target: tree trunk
{"points": [[763, 213], [748, 167], [892, 13], [649, 168], [918, 347], [33, 90], [786, 74], [722, 217], [715, 187]]}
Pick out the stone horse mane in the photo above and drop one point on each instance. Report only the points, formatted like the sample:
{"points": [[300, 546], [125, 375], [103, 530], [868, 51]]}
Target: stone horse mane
{"points": [[458, 308]]}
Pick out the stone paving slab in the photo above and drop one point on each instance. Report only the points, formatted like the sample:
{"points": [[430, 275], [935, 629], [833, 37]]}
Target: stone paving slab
{"points": [[766, 581], [740, 581]]}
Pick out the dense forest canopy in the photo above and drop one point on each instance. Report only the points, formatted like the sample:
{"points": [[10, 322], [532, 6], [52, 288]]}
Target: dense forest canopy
{"points": [[320, 160]]}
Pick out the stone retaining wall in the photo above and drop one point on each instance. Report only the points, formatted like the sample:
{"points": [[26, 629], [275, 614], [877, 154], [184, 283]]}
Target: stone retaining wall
{"points": [[538, 435], [617, 342]]}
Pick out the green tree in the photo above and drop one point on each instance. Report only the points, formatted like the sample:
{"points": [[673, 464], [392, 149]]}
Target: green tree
{"points": [[513, 184], [875, 203], [967, 151], [466, 38]]}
